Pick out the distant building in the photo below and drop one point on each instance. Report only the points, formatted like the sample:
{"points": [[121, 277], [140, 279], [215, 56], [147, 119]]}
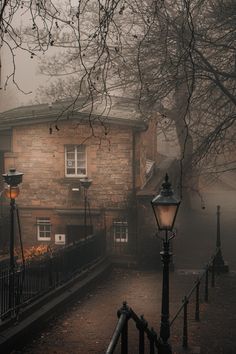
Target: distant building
{"points": [[118, 154]]}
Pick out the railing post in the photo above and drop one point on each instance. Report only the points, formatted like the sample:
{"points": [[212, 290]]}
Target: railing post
{"points": [[50, 278], [185, 324], [206, 284], [124, 339], [18, 287], [152, 340], [213, 272], [124, 334], [141, 341], [197, 301], [141, 326]]}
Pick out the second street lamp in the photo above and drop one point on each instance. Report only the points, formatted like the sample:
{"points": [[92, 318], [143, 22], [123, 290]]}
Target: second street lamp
{"points": [[12, 178], [165, 206]]}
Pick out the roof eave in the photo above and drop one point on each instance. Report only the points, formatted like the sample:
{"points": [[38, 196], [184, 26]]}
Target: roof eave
{"points": [[54, 117]]}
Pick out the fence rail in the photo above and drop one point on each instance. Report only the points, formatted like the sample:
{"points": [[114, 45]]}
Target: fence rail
{"points": [[121, 332], [204, 277], [35, 278], [126, 313]]}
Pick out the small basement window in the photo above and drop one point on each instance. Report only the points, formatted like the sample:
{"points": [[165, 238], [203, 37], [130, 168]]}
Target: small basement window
{"points": [[120, 229], [44, 229]]}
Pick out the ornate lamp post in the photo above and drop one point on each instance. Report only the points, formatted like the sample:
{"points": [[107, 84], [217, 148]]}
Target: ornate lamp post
{"points": [[165, 207], [12, 178], [85, 183]]}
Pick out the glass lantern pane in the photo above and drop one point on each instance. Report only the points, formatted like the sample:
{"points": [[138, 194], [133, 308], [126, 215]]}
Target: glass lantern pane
{"points": [[165, 215]]}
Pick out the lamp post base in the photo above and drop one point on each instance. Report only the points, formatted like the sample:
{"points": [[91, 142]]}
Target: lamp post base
{"points": [[164, 348], [220, 266]]}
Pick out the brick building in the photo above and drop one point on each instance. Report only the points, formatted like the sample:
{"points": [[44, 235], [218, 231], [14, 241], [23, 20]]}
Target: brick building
{"points": [[118, 154]]}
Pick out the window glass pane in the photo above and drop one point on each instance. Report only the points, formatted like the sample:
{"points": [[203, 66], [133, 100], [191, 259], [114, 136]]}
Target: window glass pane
{"points": [[70, 171], [120, 231], [70, 149], [80, 148], [70, 163], [75, 164], [81, 161], [43, 228], [81, 164], [81, 171], [70, 155]]}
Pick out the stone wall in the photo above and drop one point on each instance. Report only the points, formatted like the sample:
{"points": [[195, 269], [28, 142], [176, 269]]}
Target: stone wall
{"points": [[45, 189], [46, 192], [41, 157]]}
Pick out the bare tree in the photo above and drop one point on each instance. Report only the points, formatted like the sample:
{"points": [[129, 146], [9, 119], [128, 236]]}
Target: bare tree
{"points": [[176, 57], [28, 26]]}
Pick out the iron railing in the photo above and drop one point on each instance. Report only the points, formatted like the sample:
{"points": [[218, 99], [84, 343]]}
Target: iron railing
{"points": [[126, 313], [183, 309], [37, 277], [121, 332]]}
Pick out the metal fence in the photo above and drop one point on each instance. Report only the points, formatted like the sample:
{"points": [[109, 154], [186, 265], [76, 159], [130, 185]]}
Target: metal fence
{"points": [[37, 277], [125, 313], [194, 294], [153, 340]]}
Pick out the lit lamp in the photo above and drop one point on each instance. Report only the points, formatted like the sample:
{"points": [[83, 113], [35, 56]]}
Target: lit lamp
{"points": [[85, 183], [11, 192], [165, 206], [12, 178]]}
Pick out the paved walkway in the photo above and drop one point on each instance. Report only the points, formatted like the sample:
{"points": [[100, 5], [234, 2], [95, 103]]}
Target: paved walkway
{"points": [[86, 326]]}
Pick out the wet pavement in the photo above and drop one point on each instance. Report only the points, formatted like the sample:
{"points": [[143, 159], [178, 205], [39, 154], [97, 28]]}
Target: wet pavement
{"points": [[87, 325]]}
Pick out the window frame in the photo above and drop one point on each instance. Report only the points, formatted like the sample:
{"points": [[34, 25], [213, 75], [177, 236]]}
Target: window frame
{"points": [[118, 227], [77, 175], [43, 221]]}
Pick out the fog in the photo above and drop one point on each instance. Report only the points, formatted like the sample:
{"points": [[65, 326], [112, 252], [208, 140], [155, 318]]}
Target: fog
{"points": [[27, 78], [196, 236]]}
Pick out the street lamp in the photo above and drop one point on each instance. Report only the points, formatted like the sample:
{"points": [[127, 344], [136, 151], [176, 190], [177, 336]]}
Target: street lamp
{"points": [[165, 207], [85, 183], [12, 178]]}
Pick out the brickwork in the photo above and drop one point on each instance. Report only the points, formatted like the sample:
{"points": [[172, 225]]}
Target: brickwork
{"points": [[45, 191], [41, 157]]}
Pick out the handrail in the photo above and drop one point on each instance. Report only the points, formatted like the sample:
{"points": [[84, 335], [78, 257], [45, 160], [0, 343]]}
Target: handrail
{"points": [[142, 323], [125, 313], [184, 307], [197, 282], [117, 332]]}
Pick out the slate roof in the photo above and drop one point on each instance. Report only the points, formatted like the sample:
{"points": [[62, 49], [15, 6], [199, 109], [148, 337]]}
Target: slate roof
{"points": [[157, 178], [115, 110]]}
